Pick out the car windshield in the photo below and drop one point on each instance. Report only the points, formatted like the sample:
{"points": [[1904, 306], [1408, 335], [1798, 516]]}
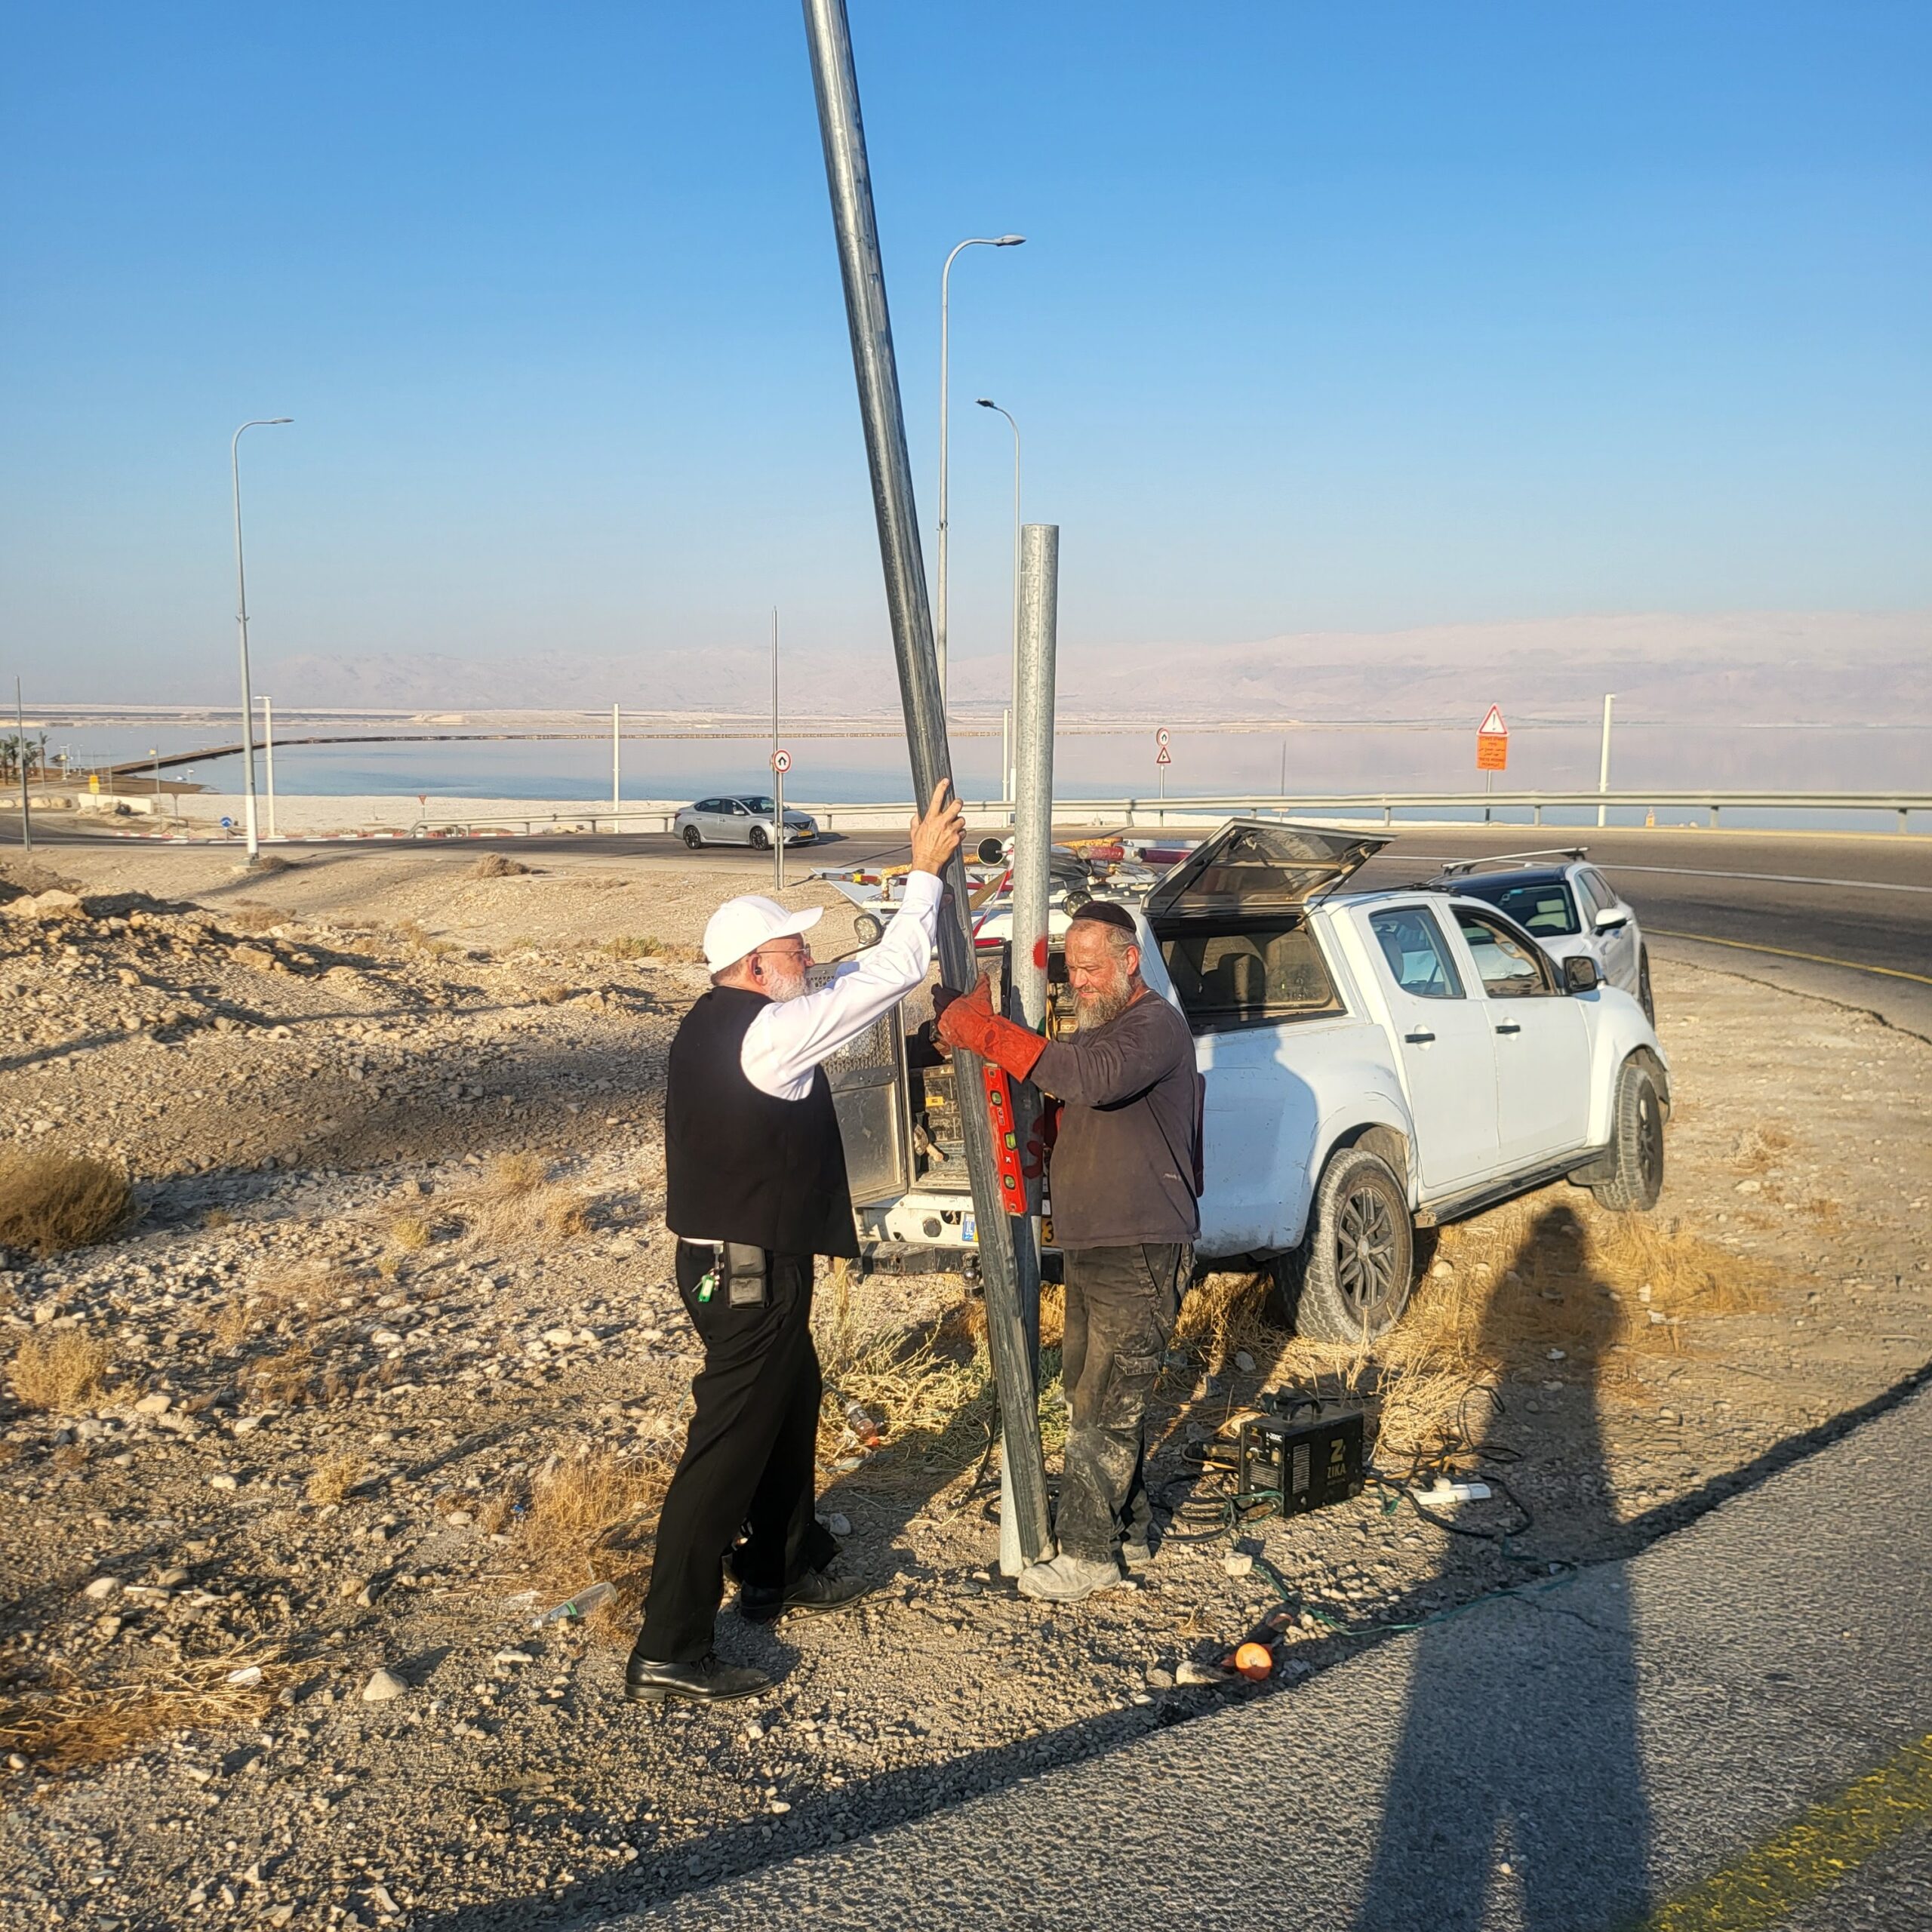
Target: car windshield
{"points": [[751, 804], [1543, 907]]}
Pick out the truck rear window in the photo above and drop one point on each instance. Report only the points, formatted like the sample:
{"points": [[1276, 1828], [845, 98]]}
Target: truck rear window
{"points": [[1544, 907], [1246, 973]]}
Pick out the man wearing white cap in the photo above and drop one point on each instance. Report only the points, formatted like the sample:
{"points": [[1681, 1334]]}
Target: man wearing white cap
{"points": [[756, 1190]]}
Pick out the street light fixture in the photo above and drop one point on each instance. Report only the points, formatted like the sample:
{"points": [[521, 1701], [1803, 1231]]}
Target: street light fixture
{"points": [[939, 583], [1009, 778], [242, 619]]}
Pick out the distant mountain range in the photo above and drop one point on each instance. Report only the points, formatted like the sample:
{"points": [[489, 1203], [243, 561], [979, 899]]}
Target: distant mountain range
{"points": [[1743, 667]]}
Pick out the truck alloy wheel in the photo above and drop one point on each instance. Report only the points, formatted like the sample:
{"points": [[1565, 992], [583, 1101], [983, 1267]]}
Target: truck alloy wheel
{"points": [[1349, 1280], [1630, 1175]]}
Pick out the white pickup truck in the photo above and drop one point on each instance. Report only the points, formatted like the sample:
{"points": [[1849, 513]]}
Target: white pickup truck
{"points": [[1374, 1061]]}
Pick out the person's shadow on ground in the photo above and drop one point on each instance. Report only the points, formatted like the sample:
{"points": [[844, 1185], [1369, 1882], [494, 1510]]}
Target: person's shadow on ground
{"points": [[1518, 1776]]}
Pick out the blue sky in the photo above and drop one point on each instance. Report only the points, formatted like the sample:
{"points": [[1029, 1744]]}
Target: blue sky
{"points": [[1330, 317]]}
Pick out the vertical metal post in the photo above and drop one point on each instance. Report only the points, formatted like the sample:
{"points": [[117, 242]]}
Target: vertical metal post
{"points": [[616, 771], [27, 809], [1032, 845], [777, 776], [836, 84], [268, 760], [1603, 763]]}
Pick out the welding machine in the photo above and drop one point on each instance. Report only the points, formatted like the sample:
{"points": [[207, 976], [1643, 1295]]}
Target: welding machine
{"points": [[1308, 1455]]}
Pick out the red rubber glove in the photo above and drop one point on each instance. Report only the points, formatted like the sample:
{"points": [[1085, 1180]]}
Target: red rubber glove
{"points": [[970, 1021]]}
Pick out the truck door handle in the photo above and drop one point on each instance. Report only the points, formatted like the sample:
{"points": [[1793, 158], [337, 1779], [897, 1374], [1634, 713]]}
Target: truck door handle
{"points": [[1418, 1039], [1509, 1026]]}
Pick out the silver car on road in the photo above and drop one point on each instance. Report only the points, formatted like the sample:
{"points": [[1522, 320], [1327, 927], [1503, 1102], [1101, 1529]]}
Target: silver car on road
{"points": [[740, 818], [1566, 906]]}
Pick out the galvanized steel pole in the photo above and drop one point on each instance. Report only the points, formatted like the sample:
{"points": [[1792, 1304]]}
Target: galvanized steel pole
{"points": [[836, 85], [242, 619], [1603, 763], [1032, 846]]}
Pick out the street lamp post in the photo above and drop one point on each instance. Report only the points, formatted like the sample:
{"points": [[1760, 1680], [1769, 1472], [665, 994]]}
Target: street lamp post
{"points": [[1010, 776], [939, 575], [241, 619]]}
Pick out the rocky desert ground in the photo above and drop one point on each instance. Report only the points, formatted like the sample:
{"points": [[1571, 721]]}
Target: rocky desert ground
{"points": [[341, 1349]]}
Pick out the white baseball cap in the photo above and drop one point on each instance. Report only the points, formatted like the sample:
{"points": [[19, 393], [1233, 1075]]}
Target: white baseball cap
{"points": [[743, 925]]}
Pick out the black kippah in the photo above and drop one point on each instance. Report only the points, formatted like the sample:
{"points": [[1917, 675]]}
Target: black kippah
{"points": [[1106, 912]]}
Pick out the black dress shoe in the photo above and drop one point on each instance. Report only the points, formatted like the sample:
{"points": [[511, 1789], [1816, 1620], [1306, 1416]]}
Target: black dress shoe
{"points": [[814, 1595], [707, 1682]]}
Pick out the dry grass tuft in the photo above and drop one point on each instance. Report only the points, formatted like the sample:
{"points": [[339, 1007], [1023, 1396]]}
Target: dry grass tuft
{"points": [[591, 1517], [232, 1327], [334, 1477], [1762, 1146], [632, 945], [50, 1202], [283, 1380], [60, 1372], [413, 936], [62, 1724], [494, 864], [410, 1232], [250, 915], [516, 1200]]}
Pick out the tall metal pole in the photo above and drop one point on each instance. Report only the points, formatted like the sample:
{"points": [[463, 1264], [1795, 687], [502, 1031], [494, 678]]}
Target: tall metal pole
{"points": [[849, 181], [1009, 778], [616, 772], [1603, 763], [1032, 845], [944, 426], [777, 776], [267, 759], [242, 619], [26, 808]]}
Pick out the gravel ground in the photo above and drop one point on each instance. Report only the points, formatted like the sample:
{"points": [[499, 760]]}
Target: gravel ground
{"points": [[347, 1360]]}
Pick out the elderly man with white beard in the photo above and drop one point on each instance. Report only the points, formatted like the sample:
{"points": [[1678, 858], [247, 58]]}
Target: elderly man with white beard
{"points": [[1126, 1181], [756, 1190]]}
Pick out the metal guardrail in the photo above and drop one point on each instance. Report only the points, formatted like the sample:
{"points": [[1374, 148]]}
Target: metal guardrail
{"points": [[1158, 812]]}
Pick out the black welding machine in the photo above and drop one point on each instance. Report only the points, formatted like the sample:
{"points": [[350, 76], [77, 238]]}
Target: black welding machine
{"points": [[1307, 1452]]}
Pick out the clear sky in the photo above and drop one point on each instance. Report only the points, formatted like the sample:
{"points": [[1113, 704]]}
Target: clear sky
{"points": [[1355, 316]]}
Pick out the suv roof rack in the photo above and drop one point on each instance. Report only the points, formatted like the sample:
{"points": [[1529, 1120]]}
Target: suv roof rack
{"points": [[1460, 868]]}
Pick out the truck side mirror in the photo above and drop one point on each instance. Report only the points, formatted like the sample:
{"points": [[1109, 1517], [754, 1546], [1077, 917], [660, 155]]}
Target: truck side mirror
{"points": [[1611, 919], [1580, 974]]}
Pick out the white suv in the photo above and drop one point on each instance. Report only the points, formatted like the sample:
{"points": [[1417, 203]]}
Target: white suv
{"points": [[1374, 1061], [1566, 906]]}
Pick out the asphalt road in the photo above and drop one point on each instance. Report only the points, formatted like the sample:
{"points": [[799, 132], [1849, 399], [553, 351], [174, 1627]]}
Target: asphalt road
{"points": [[1697, 1739], [1845, 918]]}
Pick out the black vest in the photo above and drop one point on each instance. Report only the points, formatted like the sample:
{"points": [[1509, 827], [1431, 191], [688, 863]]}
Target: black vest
{"points": [[739, 1165]]}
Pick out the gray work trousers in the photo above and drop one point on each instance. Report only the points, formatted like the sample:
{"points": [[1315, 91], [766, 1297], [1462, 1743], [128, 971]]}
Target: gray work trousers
{"points": [[1121, 1306]]}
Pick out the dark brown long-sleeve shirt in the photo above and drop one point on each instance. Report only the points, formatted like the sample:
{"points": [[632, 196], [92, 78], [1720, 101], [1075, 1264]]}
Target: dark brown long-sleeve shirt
{"points": [[1125, 1166]]}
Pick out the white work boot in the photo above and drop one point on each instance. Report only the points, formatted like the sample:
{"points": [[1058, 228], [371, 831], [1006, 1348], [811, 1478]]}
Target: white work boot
{"points": [[1068, 1578]]}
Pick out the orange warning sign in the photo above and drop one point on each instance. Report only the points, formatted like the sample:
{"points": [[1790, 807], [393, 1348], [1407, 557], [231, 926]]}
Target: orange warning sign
{"points": [[1493, 743]]}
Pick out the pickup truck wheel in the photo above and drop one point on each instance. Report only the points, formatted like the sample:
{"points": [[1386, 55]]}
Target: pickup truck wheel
{"points": [[1630, 1175], [1644, 998], [693, 837], [1350, 1281]]}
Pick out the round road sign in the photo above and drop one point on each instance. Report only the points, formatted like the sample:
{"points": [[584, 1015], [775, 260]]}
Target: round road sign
{"points": [[781, 760], [1161, 736]]}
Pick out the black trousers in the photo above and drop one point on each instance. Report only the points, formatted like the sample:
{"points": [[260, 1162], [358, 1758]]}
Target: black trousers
{"points": [[748, 1464], [1121, 1306]]}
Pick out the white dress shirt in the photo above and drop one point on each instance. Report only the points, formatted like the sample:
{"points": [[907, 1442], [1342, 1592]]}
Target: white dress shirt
{"points": [[784, 1044]]}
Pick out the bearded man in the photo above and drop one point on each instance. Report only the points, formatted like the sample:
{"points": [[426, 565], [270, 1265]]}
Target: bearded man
{"points": [[1126, 1183], [756, 1190]]}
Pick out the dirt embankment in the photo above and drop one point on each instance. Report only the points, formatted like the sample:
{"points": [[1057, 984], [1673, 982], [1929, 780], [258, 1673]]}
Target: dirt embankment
{"points": [[384, 1359]]}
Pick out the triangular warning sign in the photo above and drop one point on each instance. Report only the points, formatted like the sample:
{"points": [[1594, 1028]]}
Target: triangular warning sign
{"points": [[1493, 726], [1162, 756]]}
